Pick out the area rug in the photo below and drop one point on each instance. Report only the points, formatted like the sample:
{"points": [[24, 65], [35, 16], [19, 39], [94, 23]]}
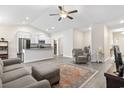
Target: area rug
{"points": [[73, 76]]}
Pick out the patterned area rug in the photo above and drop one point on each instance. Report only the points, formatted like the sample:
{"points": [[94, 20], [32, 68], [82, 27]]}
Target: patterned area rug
{"points": [[73, 76]]}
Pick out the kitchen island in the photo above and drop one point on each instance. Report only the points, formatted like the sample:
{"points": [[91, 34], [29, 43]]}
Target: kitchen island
{"points": [[37, 54]]}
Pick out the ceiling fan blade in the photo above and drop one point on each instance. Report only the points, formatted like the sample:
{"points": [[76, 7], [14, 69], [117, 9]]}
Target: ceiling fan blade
{"points": [[60, 8], [70, 17], [53, 14], [59, 19], [74, 11]]}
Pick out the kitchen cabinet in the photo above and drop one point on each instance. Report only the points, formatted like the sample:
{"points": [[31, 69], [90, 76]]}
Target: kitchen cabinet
{"points": [[46, 38], [34, 39]]}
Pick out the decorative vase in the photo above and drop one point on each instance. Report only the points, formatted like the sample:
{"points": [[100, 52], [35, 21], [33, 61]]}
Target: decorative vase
{"points": [[2, 39]]}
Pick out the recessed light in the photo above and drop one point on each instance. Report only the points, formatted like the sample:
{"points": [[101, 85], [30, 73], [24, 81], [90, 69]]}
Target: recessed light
{"points": [[27, 18], [46, 29], [90, 28], [122, 21], [52, 27], [122, 33]]}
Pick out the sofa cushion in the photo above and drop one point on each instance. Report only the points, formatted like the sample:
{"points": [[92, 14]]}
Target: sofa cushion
{"points": [[40, 84], [14, 74], [1, 70], [11, 61], [12, 67], [21, 82], [0, 83], [1, 62]]}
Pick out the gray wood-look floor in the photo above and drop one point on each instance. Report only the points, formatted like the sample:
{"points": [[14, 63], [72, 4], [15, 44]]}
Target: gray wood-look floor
{"points": [[98, 81]]}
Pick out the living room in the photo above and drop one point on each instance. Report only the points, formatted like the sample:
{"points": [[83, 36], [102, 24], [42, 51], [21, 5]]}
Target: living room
{"points": [[39, 50]]}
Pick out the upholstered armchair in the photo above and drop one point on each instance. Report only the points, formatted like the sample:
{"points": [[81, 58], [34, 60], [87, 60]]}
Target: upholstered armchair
{"points": [[79, 56]]}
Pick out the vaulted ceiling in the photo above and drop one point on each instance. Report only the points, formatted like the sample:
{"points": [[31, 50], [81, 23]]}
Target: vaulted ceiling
{"points": [[38, 16]]}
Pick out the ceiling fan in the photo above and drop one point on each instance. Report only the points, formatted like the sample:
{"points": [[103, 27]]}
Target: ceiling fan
{"points": [[63, 13]]}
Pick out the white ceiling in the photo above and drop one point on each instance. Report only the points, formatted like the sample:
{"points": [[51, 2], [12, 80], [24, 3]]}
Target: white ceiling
{"points": [[39, 16]]}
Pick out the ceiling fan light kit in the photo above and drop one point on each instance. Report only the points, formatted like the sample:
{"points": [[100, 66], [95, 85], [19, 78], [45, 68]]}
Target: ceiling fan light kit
{"points": [[64, 14]]}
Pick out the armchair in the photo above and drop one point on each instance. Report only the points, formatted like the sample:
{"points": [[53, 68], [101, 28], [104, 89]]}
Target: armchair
{"points": [[79, 56], [87, 52]]}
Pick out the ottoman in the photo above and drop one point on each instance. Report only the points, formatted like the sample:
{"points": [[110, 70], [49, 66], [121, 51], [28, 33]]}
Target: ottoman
{"points": [[46, 71]]}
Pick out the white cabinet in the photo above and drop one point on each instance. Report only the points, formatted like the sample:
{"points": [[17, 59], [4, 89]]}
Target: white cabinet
{"points": [[46, 38], [34, 38]]}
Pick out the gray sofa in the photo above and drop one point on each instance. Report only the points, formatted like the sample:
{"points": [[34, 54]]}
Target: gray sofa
{"points": [[14, 75], [11, 64]]}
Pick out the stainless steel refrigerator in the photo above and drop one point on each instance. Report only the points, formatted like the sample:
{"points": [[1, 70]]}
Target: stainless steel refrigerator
{"points": [[23, 43]]}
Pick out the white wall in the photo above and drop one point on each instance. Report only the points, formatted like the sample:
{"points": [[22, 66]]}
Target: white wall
{"points": [[82, 38], [108, 41], [116, 36], [118, 39], [9, 32], [68, 43], [101, 39], [97, 40], [110, 38], [78, 39], [86, 38], [72, 38], [67, 37]]}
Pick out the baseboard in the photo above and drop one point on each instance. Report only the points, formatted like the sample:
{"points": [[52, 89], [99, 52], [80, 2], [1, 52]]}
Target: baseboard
{"points": [[31, 61], [107, 59], [68, 56], [94, 61]]}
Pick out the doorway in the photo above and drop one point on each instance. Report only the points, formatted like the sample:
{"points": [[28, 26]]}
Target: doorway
{"points": [[60, 47], [55, 47]]}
